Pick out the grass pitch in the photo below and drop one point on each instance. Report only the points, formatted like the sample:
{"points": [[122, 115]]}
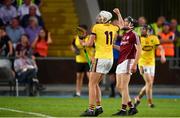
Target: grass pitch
{"points": [[73, 107]]}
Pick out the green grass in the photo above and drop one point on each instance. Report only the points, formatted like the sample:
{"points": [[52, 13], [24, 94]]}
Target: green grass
{"points": [[73, 107]]}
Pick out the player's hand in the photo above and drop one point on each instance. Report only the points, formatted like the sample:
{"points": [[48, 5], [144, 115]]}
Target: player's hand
{"points": [[83, 43], [116, 10], [163, 60], [133, 68], [130, 26], [92, 60]]}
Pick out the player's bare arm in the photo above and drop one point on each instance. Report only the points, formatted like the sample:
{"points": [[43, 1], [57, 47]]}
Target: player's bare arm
{"points": [[162, 52], [120, 19], [90, 42], [138, 54]]}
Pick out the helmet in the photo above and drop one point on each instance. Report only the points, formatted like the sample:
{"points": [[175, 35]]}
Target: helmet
{"points": [[129, 19], [104, 16]]}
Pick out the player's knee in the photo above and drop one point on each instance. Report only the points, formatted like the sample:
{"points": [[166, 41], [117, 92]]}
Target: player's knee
{"points": [[149, 84]]}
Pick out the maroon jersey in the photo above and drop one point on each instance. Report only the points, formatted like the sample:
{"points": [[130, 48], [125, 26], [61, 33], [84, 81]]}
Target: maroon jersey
{"points": [[127, 46]]}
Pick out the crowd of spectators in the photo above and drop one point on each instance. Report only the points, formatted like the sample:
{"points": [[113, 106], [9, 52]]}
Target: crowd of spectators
{"points": [[168, 33], [23, 37]]}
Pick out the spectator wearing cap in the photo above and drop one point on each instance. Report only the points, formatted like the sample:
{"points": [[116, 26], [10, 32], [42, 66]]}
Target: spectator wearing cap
{"points": [[32, 29], [166, 38], [141, 22], [24, 8], [7, 12], [157, 26], [32, 13], [14, 31]]}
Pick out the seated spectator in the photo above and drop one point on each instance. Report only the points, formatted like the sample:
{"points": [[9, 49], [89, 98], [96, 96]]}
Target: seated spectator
{"points": [[6, 47], [25, 66], [32, 29], [26, 70], [157, 26], [14, 31], [7, 12], [41, 43], [24, 8], [32, 13], [166, 38], [141, 22]]}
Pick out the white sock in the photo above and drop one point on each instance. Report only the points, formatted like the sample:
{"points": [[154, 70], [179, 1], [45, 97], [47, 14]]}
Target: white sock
{"points": [[78, 93], [91, 110], [97, 107]]}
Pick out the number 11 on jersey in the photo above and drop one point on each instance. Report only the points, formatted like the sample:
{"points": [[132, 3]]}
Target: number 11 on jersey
{"points": [[109, 39]]}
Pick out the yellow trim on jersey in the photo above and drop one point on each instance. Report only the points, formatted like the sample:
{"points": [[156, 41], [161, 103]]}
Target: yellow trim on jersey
{"points": [[105, 35], [81, 58], [148, 45]]}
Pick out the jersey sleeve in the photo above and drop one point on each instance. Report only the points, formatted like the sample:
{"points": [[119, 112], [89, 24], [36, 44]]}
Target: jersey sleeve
{"points": [[116, 28], [156, 40], [137, 41], [94, 30]]}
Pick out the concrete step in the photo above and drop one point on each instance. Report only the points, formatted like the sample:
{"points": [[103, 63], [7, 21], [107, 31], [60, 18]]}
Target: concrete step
{"points": [[59, 53], [61, 20]]}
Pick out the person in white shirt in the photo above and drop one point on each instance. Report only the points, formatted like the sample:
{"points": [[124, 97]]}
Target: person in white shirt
{"points": [[24, 8]]}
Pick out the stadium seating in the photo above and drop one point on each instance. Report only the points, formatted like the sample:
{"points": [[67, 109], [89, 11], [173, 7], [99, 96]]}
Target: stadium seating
{"points": [[61, 19]]}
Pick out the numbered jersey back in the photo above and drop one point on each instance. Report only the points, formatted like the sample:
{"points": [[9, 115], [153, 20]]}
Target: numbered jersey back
{"points": [[105, 35]]}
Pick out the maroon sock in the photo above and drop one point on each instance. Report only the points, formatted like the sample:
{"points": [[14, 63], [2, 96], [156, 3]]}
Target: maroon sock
{"points": [[130, 104], [124, 106]]}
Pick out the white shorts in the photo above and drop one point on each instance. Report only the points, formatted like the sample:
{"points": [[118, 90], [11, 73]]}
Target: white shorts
{"points": [[125, 66], [148, 70], [102, 66]]}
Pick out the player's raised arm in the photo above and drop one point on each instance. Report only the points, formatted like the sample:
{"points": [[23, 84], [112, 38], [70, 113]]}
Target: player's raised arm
{"points": [[120, 19]]}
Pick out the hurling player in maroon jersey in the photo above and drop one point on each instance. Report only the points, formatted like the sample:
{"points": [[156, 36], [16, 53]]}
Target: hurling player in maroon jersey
{"points": [[130, 50]]}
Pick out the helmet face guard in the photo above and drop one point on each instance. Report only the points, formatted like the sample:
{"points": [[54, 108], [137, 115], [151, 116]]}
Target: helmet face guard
{"points": [[133, 22]]}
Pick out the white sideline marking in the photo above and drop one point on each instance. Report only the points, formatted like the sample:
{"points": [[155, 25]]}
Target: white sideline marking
{"points": [[25, 112]]}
